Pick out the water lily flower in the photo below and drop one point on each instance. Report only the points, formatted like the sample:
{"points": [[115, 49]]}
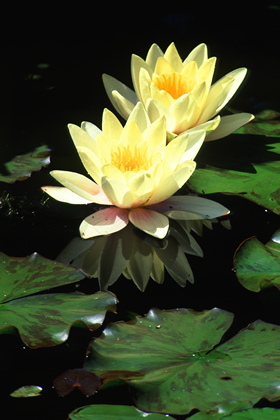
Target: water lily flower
{"points": [[180, 90], [134, 176]]}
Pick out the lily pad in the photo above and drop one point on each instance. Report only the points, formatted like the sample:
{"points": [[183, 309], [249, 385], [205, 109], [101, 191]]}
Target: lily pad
{"points": [[173, 362], [113, 412], [250, 414], [23, 276], [45, 320], [266, 123], [21, 166], [258, 265], [243, 166], [27, 391]]}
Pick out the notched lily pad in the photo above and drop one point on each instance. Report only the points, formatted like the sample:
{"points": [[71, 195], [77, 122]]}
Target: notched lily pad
{"points": [[44, 320], [21, 166], [258, 265], [183, 366]]}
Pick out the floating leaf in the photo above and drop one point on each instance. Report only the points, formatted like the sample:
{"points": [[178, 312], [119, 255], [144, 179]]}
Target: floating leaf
{"points": [[21, 167], [87, 382], [260, 185], [27, 391], [23, 276], [45, 320], [113, 412], [172, 361], [257, 265], [266, 123], [250, 414]]}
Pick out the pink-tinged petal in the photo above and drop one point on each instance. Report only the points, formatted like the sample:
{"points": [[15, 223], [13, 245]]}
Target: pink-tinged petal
{"points": [[188, 207], [104, 222], [149, 221], [228, 125], [82, 186], [65, 195]]}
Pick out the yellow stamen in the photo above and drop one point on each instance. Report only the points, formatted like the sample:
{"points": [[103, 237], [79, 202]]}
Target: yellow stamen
{"points": [[174, 84], [129, 158]]}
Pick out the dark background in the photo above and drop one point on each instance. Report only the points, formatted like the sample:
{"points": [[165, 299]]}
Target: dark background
{"points": [[51, 66]]}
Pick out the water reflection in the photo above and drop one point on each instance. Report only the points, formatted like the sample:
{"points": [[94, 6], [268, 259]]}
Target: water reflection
{"points": [[137, 255]]}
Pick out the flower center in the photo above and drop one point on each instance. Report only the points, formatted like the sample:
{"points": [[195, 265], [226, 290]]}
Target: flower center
{"points": [[174, 84], [131, 158]]}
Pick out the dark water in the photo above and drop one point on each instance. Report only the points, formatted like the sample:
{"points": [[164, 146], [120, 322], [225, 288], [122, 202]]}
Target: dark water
{"points": [[53, 78]]}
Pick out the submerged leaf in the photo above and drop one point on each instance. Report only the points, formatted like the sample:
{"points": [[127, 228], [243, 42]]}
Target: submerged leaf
{"points": [[182, 366], [87, 382], [266, 123], [250, 414], [257, 265], [21, 167]]}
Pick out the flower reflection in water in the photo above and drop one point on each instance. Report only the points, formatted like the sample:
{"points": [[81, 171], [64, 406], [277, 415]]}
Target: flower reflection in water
{"points": [[137, 255]]}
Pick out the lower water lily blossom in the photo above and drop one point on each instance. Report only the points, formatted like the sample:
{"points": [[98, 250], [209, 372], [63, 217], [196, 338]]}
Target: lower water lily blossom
{"points": [[134, 176], [181, 90]]}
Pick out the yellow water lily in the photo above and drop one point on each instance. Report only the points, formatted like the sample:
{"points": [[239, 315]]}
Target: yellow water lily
{"points": [[181, 90], [134, 175]]}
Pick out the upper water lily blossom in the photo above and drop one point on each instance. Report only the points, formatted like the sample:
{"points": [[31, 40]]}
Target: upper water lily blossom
{"points": [[182, 91], [134, 175]]}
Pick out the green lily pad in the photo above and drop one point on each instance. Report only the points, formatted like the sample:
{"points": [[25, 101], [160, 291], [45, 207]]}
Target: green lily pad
{"points": [[113, 412], [250, 414], [173, 363], [23, 276], [45, 320], [21, 166], [27, 391], [243, 166], [258, 265], [266, 123]]}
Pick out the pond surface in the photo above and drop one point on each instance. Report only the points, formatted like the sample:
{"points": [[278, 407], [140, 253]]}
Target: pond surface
{"points": [[56, 80]]}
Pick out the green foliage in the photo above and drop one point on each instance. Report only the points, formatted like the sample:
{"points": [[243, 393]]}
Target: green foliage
{"points": [[44, 320], [259, 185], [250, 414], [113, 412], [257, 265], [21, 167], [27, 391], [173, 363]]}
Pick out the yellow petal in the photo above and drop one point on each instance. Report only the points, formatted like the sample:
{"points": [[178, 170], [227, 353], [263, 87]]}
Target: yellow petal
{"points": [[111, 126], [91, 129], [198, 54], [65, 195], [119, 94], [151, 222], [171, 182], [104, 222], [81, 185], [153, 54], [228, 125], [81, 138], [221, 92], [173, 57], [189, 207]]}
